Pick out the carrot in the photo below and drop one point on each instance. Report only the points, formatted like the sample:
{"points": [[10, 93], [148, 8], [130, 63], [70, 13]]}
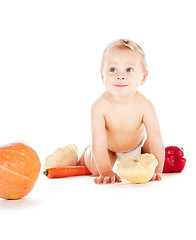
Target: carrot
{"points": [[68, 171]]}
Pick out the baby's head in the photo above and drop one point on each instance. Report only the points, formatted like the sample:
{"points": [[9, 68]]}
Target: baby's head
{"points": [[125, 44], [123, 66]]}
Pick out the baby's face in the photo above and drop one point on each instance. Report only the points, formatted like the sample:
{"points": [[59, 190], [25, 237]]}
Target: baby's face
{"points": [[122, 71]]}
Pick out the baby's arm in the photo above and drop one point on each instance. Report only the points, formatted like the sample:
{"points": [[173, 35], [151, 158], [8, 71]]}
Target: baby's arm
{"points": [[99, 146], [154, 137]]}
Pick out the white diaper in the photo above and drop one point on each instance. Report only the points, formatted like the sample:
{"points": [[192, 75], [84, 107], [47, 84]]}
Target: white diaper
{"points": [[136, 151]]}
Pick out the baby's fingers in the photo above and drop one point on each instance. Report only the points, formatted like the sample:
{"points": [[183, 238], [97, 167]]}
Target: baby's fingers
{"points": [[154, 177], [99, 179], [106, 180], [159, 176], [113, 179], [118, 179]]}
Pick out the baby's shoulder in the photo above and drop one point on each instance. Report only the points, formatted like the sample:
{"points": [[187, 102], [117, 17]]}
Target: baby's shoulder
{"points": [[145, 103], [100, 104]]}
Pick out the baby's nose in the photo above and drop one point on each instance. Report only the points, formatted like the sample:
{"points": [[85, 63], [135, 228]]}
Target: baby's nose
{"points": [[120, 77]]}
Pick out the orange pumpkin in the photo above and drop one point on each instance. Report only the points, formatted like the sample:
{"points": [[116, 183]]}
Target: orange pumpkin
{"points": [[19, 170]]}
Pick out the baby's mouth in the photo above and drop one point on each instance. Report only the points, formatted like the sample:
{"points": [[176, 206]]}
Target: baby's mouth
{"points": [[120, 85]]}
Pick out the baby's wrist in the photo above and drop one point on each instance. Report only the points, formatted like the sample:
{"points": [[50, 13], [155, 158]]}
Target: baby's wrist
{"points": [[159, 170], [159, 173], [106, 172]]}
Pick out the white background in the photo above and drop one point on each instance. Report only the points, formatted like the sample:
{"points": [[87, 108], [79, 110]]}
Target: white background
{"points": [[50, 53]]}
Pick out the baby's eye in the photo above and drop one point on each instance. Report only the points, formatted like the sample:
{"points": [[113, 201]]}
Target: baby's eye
{"points": [[129, 69], [112, 69]]}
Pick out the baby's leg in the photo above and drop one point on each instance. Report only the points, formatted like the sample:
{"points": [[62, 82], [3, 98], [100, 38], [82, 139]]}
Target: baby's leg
{"points": [[81, 161], [86, 159]]}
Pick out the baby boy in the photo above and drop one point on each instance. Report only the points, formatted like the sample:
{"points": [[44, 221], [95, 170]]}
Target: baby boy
{"points": [[124, 121]]}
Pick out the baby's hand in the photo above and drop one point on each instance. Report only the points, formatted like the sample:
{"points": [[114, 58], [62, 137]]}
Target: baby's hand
{"points": [[157, 176], [107, 177]]}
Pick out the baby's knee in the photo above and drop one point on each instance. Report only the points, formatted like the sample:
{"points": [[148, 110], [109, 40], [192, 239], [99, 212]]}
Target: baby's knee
{"points": [[89, 162]]}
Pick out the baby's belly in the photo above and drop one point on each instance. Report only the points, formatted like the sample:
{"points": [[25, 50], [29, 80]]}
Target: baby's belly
{"points": [[126, 142]]}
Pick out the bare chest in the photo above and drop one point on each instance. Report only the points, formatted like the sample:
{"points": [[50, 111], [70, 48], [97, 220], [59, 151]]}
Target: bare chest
{"points": [[123, 120]]}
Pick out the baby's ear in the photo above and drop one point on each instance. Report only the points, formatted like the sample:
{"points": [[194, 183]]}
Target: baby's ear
{"points": [[101, 75], [144, 78]]}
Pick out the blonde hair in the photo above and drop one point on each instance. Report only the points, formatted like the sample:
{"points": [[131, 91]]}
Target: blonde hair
{"points": [[125, 43]]}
